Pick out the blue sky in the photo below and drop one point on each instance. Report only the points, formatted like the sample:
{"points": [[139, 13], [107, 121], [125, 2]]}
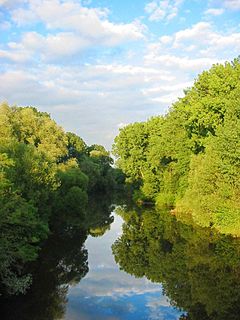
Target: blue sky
{"points": [[98, 65]]}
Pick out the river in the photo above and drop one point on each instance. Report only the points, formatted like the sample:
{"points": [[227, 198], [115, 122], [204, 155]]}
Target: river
{"points": [[110, 293], [130, 263]]}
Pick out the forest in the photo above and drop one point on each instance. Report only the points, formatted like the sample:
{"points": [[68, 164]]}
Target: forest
{"points": [[46, 175], [189, 159]]}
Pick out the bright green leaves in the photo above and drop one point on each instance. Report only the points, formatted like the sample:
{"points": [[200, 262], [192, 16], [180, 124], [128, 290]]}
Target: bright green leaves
{"points": [[29, 126], [214, 180], [130, 148], [192, 153], [45, 174]]}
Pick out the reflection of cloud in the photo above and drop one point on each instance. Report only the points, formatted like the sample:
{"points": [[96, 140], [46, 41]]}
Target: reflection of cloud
{"points": [[107, 293], [158, 302], [112, 283], [135, 307], [160, 309], [104, 278]]}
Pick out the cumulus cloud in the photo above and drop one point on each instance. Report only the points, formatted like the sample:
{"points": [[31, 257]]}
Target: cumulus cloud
{"points": [[197, 32], [122, 92], [61, 60], [163, 10], [91, 23], [185, 54], [84, 98], [206, 39], [71, 29], [15, 55], [198, 47]]}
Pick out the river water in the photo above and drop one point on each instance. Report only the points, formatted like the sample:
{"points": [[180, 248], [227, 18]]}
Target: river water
{"points": [[130, 263], [110, 293]]}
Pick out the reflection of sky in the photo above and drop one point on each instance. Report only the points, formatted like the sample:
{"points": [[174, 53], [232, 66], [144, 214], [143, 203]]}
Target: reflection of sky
{"points": [[107, 293]]}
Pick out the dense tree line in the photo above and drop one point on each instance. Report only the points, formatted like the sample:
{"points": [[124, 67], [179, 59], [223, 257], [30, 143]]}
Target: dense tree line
{"points": [[190, 158], [44, 171]]}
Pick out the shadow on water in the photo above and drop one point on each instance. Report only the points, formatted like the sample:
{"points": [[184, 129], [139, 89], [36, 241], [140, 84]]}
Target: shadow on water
{"points": [[198, 268], [62, 262]]}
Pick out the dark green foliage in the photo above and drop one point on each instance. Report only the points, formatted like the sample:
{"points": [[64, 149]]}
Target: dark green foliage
{"points": [[97, 165], [75, 200], [75, 145], [72, 177]]}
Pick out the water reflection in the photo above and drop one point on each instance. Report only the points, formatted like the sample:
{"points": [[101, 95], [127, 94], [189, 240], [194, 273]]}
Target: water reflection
{"points": [[107, 293], [170, 270], [62, 262], [198, 267]]}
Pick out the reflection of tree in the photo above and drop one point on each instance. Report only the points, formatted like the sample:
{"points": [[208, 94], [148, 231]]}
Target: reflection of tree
{"points": [[198, 267], [62, 262], [98, 216]]}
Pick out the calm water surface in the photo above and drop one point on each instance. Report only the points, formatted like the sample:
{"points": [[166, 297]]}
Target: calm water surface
{"points": [[109, 293], [130, 263]]}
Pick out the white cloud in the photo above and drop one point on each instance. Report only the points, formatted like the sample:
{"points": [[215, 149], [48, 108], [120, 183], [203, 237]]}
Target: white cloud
{"points": [[214, 11], [197, 32], [54, 46], [71, 27], [84, 98], [163, 10], [18, 56], [232, 4], [194, 48], [182, 63], [50, 70], [166, 39], [91, 23]]}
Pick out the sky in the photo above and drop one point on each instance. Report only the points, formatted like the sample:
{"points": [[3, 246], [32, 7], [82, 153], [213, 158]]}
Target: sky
{"points": [[97, 65]]}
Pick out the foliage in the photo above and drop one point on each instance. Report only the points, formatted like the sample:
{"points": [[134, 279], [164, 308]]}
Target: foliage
{"points": [[189, 158], [44, 172]]}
